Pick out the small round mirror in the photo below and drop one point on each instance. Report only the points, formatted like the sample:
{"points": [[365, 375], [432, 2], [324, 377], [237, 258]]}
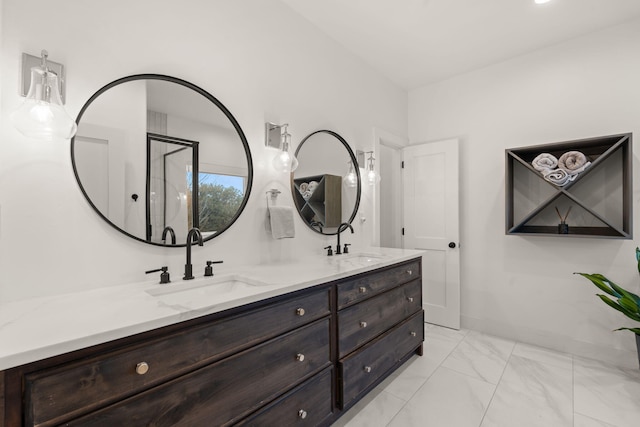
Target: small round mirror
{"points": [[156, 156], [326, 184]]}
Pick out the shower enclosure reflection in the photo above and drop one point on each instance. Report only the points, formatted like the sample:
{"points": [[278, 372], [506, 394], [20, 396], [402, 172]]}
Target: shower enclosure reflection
{"points": [[172, 174]]}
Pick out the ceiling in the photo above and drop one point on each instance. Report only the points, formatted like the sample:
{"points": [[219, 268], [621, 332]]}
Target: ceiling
{"points": [[418, 42]]}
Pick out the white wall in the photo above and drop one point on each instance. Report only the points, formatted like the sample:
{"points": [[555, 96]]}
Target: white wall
{"points": [[523, 287], [256, 56]]}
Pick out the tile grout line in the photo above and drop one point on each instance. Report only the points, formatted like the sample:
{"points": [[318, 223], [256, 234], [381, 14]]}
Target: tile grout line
{"points": [[573, 392], [497, 384], [427, 380]]}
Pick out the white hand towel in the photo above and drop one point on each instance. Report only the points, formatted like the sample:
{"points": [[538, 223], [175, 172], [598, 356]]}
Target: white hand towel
{"points": [[559, 177], [545, 163], [281, 222]]}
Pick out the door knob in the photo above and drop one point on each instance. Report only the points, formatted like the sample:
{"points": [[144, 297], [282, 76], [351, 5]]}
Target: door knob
{"points": [[452, 245]]}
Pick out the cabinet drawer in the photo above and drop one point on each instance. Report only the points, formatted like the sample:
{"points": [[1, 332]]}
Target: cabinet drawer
{"points": [[307, 405], [362, 322], [228, 390], [61, 393], [369, 284], [363, 368]]}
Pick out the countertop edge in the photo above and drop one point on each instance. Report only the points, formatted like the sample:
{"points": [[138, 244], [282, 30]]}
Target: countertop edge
{"points": [[22, 328]]}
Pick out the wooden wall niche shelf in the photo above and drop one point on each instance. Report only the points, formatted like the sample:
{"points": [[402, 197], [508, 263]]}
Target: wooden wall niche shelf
{"points": [[325, 204], [600, 197]]}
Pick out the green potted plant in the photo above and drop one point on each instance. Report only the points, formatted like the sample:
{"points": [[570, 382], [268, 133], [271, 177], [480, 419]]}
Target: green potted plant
{"points": [[624, 301]]}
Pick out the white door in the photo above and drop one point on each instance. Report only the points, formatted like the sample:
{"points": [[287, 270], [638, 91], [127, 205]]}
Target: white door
{"points": [[430, 178]]}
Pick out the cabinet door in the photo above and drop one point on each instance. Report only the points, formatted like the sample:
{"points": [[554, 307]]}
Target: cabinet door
{"points": [[366, 367], [57, 394], [364, 321], [306, 405], [367, 285], [226, 391]]}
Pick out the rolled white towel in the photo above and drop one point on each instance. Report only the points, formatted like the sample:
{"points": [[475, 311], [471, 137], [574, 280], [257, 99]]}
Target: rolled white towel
{"points": [[573, 162], [559, 177], [303, 186], [312, 186], [545, 163]]}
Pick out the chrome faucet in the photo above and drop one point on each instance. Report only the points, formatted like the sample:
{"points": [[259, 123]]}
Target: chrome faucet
{"points": [[194, 233], [170, 231], [341, 228]]}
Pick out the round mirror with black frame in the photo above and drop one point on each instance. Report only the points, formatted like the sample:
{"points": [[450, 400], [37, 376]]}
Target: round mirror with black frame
{"points": [[155, 156], [323, 193]]}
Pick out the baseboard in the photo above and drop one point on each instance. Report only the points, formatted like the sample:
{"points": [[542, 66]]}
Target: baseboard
{"points": [[615, 356]]}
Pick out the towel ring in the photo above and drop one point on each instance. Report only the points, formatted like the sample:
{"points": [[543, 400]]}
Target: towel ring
{"points": [[274, 195]]}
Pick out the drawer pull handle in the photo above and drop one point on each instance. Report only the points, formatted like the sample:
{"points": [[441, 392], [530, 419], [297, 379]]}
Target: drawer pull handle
{"points": [[363, 324], [302, 414], [413, 334], [410, 299], [142, 368], [300, 357], [363, 290], [410, 272], [367, 369], [300, 312]]}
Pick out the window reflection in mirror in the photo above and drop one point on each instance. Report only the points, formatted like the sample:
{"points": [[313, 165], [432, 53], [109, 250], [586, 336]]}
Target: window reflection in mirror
{"points": [[219, 198]]}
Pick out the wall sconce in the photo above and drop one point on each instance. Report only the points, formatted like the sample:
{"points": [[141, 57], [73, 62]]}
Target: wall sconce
{"points": [[42, 114], [372, 177], [284, 161], [351, 179]]}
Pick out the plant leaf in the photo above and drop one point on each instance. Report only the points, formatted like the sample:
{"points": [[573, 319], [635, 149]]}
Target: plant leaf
{"points": [[635, 330], [601, 282], [628, 304], [635, 298], [618, 307]]}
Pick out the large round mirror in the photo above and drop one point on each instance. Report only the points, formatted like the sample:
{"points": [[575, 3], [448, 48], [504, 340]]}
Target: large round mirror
{"points": [[156, 156], [326, 184]]}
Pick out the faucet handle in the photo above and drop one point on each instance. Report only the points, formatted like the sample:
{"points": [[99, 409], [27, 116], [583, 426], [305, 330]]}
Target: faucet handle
{"points": [[208, 270], [346, 248], [329, 250], [164, 276]]}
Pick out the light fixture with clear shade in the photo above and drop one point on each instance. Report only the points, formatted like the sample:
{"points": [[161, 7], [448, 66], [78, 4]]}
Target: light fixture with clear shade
{"points": [[372, 177], [351, 178], [42, 114], [284, 161]]}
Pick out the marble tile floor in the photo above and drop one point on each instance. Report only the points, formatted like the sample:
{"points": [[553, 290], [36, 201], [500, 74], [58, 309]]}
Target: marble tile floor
{"points": [[469, 379]]}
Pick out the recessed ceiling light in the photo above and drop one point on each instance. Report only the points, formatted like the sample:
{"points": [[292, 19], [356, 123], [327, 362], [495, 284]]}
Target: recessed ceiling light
{"points": [[542, 1]]}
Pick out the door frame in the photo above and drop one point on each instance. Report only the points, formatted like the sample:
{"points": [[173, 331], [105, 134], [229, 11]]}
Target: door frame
{"points": [[383, 137]]}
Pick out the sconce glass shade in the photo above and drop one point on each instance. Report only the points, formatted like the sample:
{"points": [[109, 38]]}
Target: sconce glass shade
{"points": [[372, 177], [42, 115], [284, 161], [351, 179]]}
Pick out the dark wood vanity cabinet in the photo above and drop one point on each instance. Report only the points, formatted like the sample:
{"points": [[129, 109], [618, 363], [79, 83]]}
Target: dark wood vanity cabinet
{"points": [[380, 324], [290, 360]]}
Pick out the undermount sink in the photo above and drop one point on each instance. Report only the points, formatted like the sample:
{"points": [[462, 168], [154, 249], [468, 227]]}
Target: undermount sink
{"points": [[359, 258], [204, 289]]}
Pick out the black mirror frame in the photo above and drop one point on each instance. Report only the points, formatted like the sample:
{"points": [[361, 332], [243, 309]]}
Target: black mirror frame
{"points": [[202, 92], [354, 161]]}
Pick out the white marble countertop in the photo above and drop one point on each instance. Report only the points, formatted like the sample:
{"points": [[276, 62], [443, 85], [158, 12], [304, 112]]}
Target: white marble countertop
{"points": [[38, 328]]}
